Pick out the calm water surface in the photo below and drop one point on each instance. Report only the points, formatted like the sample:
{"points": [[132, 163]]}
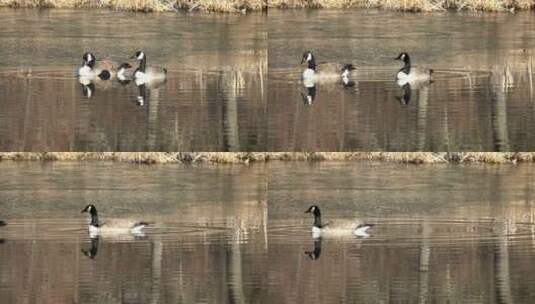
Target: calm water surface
{"points": [[481, 99], [213, 99], [443, 234], [208, 245], [227, 234]]}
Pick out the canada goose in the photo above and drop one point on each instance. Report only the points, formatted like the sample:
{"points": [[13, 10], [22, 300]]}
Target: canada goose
{"points": [[104, 70], [328, 71], [411, 74], [330, 229], [119, 227], [144, 73]]}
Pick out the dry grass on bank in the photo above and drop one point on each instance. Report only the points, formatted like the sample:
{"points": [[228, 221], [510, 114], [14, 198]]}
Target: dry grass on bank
{"points": [[410, 5], [245, 157], [227, 6], [241, 6]]}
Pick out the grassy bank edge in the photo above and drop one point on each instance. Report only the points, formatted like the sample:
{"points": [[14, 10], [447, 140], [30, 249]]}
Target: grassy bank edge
{"points": [[410, 5], [244, 6], [250, 157], [222, 6]]}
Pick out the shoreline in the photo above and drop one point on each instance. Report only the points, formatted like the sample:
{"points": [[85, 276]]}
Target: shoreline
{"points": [[245, 6], [263, 157], [147, 6]]}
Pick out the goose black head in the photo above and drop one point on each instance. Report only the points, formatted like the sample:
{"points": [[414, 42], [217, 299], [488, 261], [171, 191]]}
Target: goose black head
{"points": [[89, 59], [139, 55], [94, 216], [307, 57], [403, 57], [90, 208], [314, 210]]}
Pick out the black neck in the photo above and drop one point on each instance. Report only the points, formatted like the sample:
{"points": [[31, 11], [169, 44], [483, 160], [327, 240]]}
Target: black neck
{"points": [[312, 64], [94, 217], [142, 64], [407, 67], [317, 219], [90, 64]]}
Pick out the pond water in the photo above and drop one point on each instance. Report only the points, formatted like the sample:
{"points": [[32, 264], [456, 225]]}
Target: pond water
{"points": [[206, 247], [228, 234], [213, 99], [481, 98]]}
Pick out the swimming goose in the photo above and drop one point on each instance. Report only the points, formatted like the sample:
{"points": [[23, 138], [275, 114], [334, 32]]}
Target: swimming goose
{"points": [[120, 227], [329, 229], [144, 73], [411, 74], [329, 71], [104, 70]]}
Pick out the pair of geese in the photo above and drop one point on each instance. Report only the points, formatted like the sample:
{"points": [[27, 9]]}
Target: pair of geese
{"points": [[319, 229], [408, 74], [105, 69]]}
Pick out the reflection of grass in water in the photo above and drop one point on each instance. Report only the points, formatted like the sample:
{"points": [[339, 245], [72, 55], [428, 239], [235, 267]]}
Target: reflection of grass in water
{"points": [[145, 5], [248, 157], [407, 5]]}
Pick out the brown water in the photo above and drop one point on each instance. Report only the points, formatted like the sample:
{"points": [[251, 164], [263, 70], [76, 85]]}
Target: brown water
{"points": [[481, 98], [208, 245], [227, 234], [213, 99]]}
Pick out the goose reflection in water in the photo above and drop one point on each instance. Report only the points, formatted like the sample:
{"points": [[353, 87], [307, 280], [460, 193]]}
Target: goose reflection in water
{"points": [[145, 89], [315, 254], [93, 250], [309, 93], [421, 89], [88, 87]]}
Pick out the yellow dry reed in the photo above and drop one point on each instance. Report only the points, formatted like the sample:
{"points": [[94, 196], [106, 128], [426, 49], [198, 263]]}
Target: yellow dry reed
{"points": [[250, 157]]}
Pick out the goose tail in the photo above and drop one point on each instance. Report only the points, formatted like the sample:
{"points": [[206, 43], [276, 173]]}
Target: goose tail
{"points": [[347, 68], [138, 227], [364, 227]]}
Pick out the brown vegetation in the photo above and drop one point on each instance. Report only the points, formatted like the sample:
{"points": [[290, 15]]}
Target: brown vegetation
{"points": [[145, 5], [248, 157], [410, 5]]}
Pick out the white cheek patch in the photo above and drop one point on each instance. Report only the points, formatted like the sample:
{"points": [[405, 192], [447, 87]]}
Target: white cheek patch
{"points": [[141, 55], [309, 57], [89, 57], [402, 56]]}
